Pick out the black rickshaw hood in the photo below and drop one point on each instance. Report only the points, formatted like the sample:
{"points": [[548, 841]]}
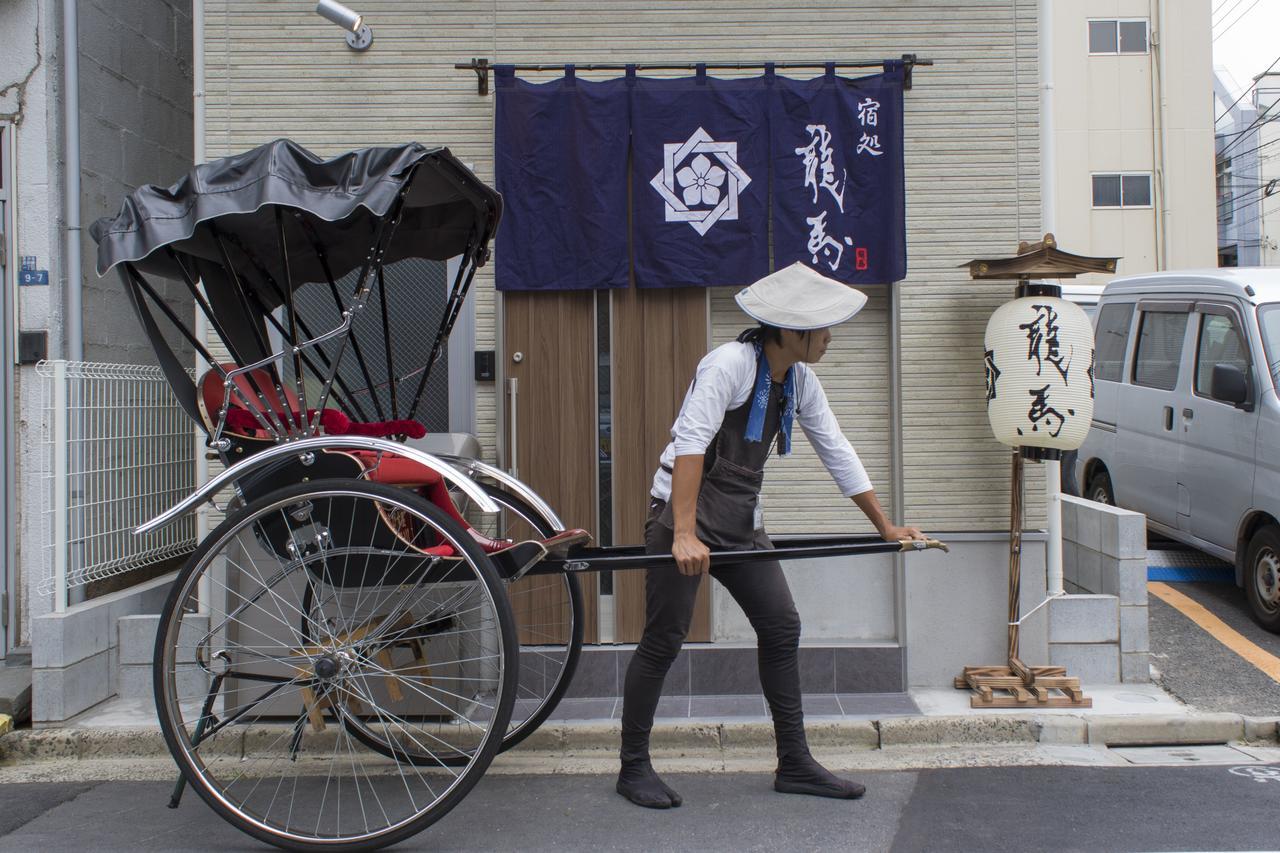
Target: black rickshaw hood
{"points": [[342, 201]]}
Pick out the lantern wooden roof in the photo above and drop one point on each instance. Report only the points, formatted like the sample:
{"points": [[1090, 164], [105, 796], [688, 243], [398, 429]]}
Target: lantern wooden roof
{"points": [[1039, 260]]}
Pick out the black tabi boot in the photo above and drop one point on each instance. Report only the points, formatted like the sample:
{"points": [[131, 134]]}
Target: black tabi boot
{"points": [[799, 773], [639, 782]]}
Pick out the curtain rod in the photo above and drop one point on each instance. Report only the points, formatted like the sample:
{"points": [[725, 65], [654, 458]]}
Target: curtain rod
{"points": [[481, 66]]}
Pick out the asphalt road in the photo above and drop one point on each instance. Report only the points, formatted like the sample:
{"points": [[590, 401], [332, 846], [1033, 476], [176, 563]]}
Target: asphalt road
{"points": [[981, 809], [1201, 671]]}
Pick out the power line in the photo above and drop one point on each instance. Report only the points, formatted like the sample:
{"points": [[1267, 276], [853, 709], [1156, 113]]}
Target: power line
{"points": [[1262, 214], [1239, 154], [1233, 138], [1252, 86], [1267, 189], [1257, 122], [1217, 21], [1243, 15]]}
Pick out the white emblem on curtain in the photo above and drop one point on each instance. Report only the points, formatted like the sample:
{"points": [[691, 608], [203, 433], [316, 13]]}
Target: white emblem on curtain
{"points": [[700, 181]]}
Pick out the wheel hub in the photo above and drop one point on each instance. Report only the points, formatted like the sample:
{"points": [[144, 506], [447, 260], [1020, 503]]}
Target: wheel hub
{"points": [[326, 667], [1268, 577]]}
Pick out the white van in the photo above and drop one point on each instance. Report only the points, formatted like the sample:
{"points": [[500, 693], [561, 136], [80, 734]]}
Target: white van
{"points": [[1186, 422]]}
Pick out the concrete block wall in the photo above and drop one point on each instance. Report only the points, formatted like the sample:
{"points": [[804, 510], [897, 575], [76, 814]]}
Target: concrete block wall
{"points": [[76, 656], [1099, 631], [137, 637], [136, 128]]}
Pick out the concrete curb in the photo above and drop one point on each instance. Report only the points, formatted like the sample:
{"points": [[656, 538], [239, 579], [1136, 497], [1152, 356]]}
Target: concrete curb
{"points": [[694, 738]]}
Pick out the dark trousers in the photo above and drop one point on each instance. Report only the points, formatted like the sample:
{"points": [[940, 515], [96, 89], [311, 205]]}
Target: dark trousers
{"points": [[761, 591]]}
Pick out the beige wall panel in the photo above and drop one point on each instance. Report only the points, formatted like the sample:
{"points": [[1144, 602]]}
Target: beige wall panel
{"points": [[972, 180]]}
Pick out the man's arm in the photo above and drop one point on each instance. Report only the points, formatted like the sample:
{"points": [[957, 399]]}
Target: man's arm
{"points": [[692, 556], [870, 507]]}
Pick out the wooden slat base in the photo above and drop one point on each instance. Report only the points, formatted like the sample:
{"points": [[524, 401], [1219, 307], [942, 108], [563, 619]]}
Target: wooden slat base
{"points": [[1018, 692]]}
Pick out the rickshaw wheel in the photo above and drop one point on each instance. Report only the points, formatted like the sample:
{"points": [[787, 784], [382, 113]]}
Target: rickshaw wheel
{"points": [[548, 618], [418, 646]]}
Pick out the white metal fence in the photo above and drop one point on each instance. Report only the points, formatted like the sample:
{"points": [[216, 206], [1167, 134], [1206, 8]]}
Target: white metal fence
{"points": [[119, 451]]}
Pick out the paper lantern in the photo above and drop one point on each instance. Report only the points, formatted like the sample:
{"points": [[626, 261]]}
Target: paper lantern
{"points": [[1039, 362]]}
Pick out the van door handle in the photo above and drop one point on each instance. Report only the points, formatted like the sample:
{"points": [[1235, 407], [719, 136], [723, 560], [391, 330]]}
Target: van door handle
{"points": [[1168, 418], [1188, 414]]}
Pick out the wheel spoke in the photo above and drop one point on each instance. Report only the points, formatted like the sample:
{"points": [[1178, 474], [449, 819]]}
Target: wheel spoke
{"points": [[311, 590]]}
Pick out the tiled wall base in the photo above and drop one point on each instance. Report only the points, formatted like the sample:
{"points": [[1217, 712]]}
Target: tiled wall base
{"points": [[720, 670]]}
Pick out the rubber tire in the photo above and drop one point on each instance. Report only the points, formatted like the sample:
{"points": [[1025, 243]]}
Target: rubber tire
{"points": [[1100, 483], [511, 738], [506, 623], [1266, 538]]}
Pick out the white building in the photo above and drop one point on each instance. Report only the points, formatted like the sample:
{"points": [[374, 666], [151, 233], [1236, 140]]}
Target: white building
{"points": [[1131, 118], [1266, 101], [1241, 191]]}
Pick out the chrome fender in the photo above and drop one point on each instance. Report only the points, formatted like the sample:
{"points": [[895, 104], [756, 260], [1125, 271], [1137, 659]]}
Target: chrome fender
{"points": [[474, 468], [317, 444]]}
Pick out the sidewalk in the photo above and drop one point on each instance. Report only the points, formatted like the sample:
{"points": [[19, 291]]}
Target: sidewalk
{"points": [[925, 728]]}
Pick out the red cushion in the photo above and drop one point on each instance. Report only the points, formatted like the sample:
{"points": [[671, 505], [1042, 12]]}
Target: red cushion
{"points": [[395, 470]]}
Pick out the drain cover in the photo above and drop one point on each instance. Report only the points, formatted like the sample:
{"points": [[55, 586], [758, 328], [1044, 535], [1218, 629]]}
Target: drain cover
{"points": [[1212, 754]]}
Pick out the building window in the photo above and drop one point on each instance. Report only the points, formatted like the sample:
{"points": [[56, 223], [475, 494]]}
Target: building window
{"points": [[1122, 190], [1118, 36], [1226, 205]]}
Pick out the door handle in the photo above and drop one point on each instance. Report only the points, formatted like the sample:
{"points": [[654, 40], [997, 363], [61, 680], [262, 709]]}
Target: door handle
{"points": [[513, 433], [1168, 418], [1188, 414]]}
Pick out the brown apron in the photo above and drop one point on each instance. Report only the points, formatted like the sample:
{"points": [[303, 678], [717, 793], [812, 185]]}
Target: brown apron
{"points": [[732, 473]]}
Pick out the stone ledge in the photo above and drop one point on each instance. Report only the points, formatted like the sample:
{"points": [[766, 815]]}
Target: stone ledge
{"points": [[1165, 729], [673, 740]]}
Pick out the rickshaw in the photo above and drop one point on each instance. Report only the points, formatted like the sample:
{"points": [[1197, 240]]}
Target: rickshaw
{"points": [[369, 623]]}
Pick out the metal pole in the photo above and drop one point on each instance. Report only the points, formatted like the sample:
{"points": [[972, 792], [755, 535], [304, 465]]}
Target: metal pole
{"points": [[1048, 224], [60, 540], [201, 322], [74, 348]]}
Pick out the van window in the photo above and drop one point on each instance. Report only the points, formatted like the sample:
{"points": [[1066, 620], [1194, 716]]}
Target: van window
{"points": [[1159, 353], [1220, 343], [1269, 320], [1111, 339]]}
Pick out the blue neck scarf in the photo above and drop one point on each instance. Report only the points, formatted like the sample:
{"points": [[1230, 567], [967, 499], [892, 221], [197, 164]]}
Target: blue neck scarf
{"points": [[760, 403]]}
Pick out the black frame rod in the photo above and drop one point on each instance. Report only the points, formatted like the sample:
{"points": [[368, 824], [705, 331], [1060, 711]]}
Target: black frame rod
{"points": [[299, 378], [318, 248], [482, 66], [268, 315], [621, 558]]}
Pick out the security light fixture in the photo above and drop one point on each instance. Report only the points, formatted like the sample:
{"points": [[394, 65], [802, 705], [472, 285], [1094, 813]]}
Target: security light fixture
{"points": [[359, 36]]}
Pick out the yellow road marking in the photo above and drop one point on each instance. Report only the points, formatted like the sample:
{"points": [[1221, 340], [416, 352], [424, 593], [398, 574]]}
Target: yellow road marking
{"points": [[1268, 663]]}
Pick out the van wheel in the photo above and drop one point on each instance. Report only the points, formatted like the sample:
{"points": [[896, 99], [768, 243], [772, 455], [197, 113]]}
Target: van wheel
{"points": [[1100, 489], [1262, 577]]}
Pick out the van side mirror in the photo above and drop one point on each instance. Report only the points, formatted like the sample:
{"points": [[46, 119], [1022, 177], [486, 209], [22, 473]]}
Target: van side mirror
{"points": [[1229, 384]]}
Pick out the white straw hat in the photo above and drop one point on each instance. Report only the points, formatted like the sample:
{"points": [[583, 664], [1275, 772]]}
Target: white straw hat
{"points": [[800, 298]]}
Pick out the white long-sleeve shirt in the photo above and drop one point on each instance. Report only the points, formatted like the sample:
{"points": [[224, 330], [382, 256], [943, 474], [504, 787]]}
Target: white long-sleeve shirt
{"points": [[725, 378]]}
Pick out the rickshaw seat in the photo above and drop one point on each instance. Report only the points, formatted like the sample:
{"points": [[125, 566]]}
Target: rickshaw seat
{"points": [[389, 468], [257, 386]]}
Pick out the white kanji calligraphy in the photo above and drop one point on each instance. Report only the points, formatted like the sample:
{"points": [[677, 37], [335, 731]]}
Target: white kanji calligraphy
{"points": [[819, 158], [868, 113], [821, 244], [869, 145]]}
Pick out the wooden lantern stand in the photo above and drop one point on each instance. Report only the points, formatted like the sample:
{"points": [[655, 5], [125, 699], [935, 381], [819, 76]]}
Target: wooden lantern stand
{"points": [[1014, 684]]}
